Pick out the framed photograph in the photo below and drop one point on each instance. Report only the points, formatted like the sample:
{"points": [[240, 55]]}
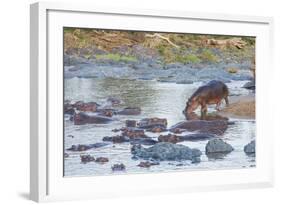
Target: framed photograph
{"points": [[130, 102]]}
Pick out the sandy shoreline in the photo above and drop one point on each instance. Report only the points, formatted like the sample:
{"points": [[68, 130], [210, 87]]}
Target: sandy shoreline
{"points": [[240, 107]]}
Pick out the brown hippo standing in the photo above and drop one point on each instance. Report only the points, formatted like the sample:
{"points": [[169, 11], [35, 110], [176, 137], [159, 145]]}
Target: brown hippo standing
{"points": [[211, 93]]}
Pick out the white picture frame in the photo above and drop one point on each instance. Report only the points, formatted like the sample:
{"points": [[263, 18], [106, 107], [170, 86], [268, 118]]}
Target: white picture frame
{"points": [[46, 179]]}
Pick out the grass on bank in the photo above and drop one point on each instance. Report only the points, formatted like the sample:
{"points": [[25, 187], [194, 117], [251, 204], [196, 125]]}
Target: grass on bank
{"points": [[116, 57]]}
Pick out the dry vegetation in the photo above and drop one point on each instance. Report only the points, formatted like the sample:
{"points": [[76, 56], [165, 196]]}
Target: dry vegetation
{"points": [[184, 48]]}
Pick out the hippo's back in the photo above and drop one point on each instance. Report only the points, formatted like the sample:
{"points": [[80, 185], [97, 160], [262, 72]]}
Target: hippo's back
{"points": [[218, 85], [213, 89]]}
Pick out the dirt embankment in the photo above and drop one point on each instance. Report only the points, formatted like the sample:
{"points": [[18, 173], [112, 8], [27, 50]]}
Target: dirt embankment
{"points": [[241, 107], [163, 47]]}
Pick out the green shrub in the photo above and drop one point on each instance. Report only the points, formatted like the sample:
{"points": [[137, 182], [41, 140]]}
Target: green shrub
{"points": [[185, 59], [208, 56]]}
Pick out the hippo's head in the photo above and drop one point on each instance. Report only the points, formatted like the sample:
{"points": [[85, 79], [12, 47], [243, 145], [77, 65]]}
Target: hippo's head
{"points": [[191, 105]]}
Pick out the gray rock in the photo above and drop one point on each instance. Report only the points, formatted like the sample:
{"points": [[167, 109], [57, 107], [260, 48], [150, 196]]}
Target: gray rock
{"points": [[164, 151], [250, 85], [250, 148], [218, 146], [118, 167]]}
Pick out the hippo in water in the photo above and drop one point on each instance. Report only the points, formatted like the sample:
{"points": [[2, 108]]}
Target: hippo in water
{"points": [[211, 93]]}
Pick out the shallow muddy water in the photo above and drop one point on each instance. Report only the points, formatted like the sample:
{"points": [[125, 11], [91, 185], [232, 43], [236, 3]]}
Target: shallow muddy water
{"points": [[156, 99]]}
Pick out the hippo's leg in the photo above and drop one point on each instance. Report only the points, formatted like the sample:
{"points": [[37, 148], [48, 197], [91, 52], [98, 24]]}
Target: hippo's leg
{"points": [[218, 106], [226, 101], [204, 110]]}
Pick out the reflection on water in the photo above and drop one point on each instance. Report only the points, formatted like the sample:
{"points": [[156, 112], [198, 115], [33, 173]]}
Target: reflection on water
{"points": [[165, 100]]}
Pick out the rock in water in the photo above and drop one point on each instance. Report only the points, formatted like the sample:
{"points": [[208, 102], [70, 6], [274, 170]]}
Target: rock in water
{"points": [[250, 148], [114, 101], [116, 139], [217, 127], [84, 147], [147, 164], [86, 107], [68, 109], [149, 123], [251, 85], [86, 158], [197, 137], [129, 111], [137, 140], [133, 133], [172, 138], [218, 146], [101, 160], [118, 167], [157, 129], [89, 118], [131, 123], [164, 151], [143, 141]]}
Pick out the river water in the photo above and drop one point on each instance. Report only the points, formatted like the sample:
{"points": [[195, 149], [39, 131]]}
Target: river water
{"points": [[156, 99]]}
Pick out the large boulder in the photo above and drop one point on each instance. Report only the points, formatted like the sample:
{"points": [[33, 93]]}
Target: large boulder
{"points": [[164, 151], [218, 146], [217, 127], [90, 118], [250, 148]]}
